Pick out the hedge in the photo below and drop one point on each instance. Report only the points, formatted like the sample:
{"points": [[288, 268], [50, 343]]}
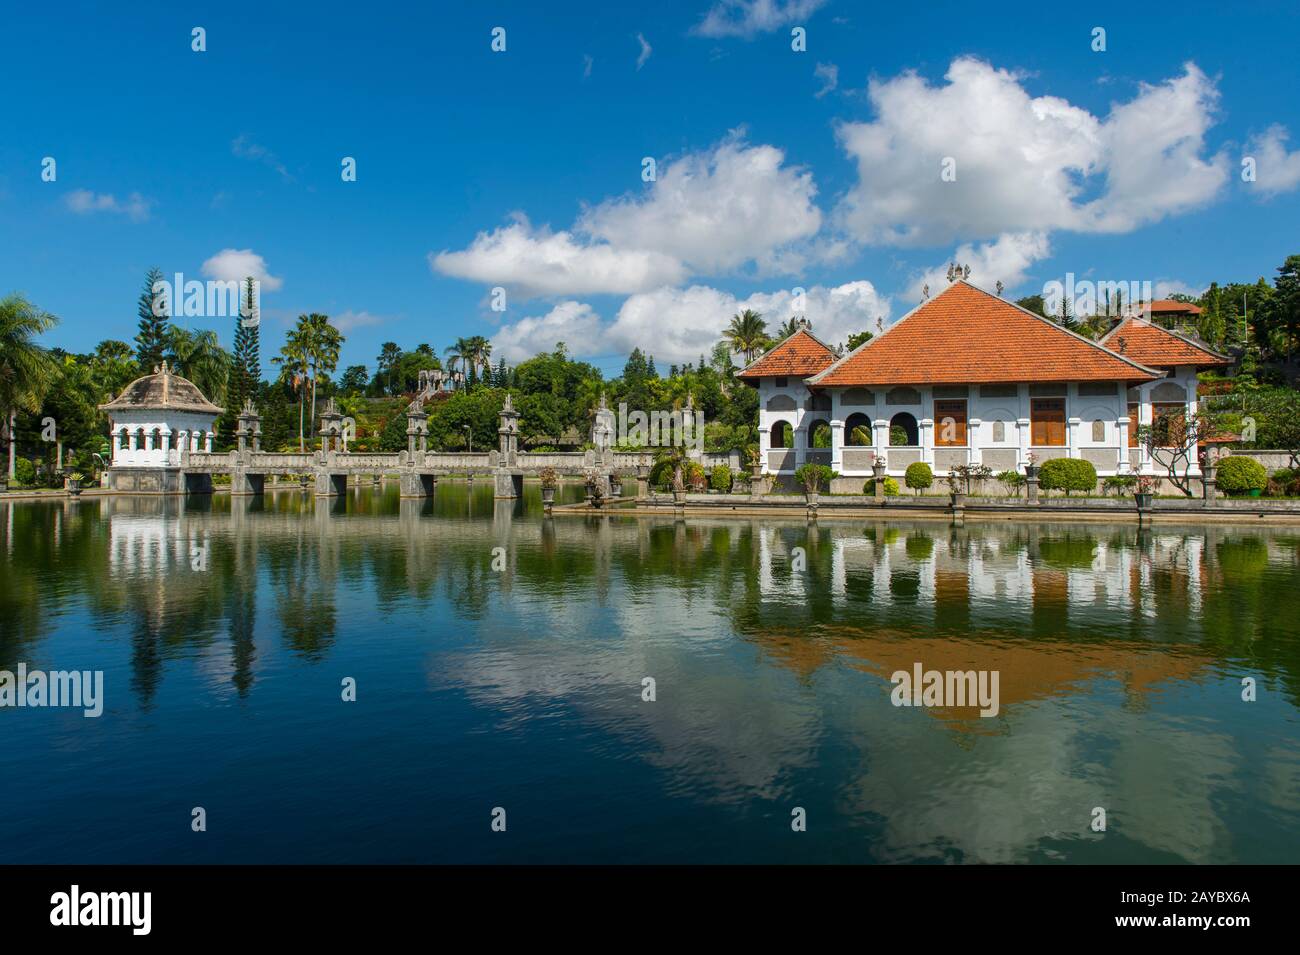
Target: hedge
{"points": [[1237, 475], [1068, 474], [720, 478], [918, 476]]}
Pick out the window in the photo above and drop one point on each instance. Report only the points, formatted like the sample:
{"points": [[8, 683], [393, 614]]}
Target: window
{"points": [[857, 430], [782, 435], [1167, 419], [999, 391], [999, 431], [1047, 422], [1099, 430], [950, 422], [903, 395], [782, 382], [1097, 389], [1133, 420]]}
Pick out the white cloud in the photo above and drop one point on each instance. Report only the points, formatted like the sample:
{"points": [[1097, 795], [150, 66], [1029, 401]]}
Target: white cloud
{"points": [[646, 50], [717, 210], [1004, 260], [245, 148], [350, 319], [1166, 288], [573, 323], [748, 18], [1276, 170], [238, 264], [708, 213], [84, 202], [829, 74], [587, 61], [1023, 163], [679, 324], [531, 262]]}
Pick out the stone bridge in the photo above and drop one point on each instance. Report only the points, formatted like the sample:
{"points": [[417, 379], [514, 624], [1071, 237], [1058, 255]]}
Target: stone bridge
{"points": [[417, 467]]}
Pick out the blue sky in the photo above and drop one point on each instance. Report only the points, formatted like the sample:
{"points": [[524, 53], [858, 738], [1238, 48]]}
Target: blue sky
{"points": [[523, 169]]}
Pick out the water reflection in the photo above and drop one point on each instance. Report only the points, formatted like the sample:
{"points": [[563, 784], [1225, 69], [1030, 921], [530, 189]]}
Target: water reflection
{"points": [[1120, 653]]}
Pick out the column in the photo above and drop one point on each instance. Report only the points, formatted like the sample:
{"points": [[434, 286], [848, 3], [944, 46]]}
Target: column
{"points": [[764, 446], [927, 440], [973, 440], [165, 436], [207, 440], [837, 444], [880, 436], [1121, 428], [1072, 437], [1023, 434]]}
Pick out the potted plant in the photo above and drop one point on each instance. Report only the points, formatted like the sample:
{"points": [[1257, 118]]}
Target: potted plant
{"points": [[74, 483], [615, 485], [549, 481], [755, 462], [1143, 491], [956, 487], [812, 477], [1031, 465]]}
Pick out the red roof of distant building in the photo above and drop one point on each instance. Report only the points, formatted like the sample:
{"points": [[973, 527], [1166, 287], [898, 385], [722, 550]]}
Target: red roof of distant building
{"points": [[1166, 306], [1158, 347], [966, 335], [798, 356]]}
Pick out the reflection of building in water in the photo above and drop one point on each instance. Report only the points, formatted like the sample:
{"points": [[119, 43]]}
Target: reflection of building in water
{"points": [[997, 577], [154, 545]]}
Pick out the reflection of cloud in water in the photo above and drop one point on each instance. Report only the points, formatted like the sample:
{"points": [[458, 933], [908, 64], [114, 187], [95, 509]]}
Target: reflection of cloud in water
{"points": [[722, 731], [1030, 791]]}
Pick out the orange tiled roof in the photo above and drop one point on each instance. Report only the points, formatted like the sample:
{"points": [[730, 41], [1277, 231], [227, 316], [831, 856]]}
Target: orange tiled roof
{"points": [[1158, 347], [965, 335], [798, 356], [1168, 305]]}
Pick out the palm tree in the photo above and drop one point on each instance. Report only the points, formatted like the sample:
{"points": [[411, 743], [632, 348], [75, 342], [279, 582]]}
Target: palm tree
{"points": [[198, 356], [789, 328], [295, 362], [26, 369], [747, 334], [480, 352], [460, 353], [322, 343]]}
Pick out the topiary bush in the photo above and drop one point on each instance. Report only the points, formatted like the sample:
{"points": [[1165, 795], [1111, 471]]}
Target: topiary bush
{"points": [[1240, 475], [918, 476], [720, 478], [24, 471], [891, 487], [1068, 474], [814, 477]]}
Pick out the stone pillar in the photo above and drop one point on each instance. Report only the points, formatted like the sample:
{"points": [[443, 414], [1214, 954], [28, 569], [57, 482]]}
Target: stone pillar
{"points": [[331, 427], [602, 426], [878, 469], [1023, 436], [417, 430], [207, 441], [926, 426], [1031, 487], [764, 446], [248, 434], [1122, 429], [837, 444], [973, 455], [1210, 479], [508, 433]]}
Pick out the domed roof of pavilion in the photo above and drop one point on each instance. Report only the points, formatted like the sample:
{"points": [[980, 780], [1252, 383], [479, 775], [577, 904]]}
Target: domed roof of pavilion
{"points": [[162, 391]]}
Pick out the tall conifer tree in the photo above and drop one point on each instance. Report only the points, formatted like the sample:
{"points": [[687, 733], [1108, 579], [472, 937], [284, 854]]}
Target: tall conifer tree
{"points": [[151, 341]]}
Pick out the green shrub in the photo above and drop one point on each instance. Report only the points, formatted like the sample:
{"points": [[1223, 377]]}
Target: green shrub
{"points": [[1237, 475], [1119, 483], [891, 487], [1068, 474], [1012, 480], [24, 471], [814, 477], [720, 478], [918, 476]]}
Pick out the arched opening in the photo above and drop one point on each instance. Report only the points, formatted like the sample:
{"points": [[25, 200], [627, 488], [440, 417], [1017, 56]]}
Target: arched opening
{"points": [[819, 434], [903, 431], [782, 434], [857, 430], [124, 439]]}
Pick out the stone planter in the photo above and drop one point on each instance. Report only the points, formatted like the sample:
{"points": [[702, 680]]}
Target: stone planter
{"points": [[812, 497], [1143, 500], [956, 498], [679, 497], [548, 496], [615, 486], [74, 487]]}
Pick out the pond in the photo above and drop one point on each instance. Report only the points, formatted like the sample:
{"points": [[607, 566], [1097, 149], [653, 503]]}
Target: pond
{"points": [[635, 689]]}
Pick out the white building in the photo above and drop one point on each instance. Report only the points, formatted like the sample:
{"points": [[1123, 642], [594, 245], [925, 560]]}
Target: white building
{"points": [[151, 422], [969, 378]]}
